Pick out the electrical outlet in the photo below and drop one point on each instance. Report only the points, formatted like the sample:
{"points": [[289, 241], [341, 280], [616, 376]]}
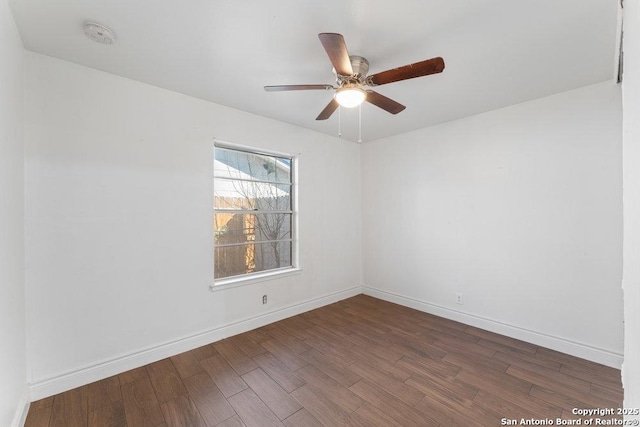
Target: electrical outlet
{"points": [[264, 299], [459, 299]]}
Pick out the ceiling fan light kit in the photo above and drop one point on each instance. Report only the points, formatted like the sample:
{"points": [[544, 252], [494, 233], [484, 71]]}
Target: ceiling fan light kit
{"points": [[351, 78], [349, 97]]}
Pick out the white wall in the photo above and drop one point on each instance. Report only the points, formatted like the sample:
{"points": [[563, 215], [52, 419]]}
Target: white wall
{"points": [[119, 223], [631, 180], [13, 371], [518, 209]]}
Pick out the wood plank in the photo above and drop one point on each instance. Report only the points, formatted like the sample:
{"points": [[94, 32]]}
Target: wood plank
{"points": [[141, 406], [110, 415], [504, 407], [331, 388], [239, 361], [475, 361], [133, 375], [465, 411], [420, 365], [331, 350], [247, 344], [428, 383], [604, 377], [227, 380], [291, 342], [335, 368], [286, 356], [449, 393], [182, 412], [252, 411], [322, 407], [325, 319], [337, 341], [401, 390], [444, 414], [611, 394], [285, 378], [302, 418], [371, 319], [387, 353], [297, 327], [502, 340], [390, 405], [260, 335], [187, 364], [350, 313], [47, 402], [566, 402], [434, 322], [204, 352], [234, 421], [70, 409], [38, 417], [419, 348], [380, 364], [525, 360], [371, 416], [566, 359], [165, 380], [461, 348], [278, 400], [380, 338], [209, 400], [510, 389], [489, 379], [560, 382], [102, 393]]}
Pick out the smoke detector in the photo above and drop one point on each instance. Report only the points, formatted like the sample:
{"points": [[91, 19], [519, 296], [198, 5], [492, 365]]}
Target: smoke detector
{"points": [[99, 33]]}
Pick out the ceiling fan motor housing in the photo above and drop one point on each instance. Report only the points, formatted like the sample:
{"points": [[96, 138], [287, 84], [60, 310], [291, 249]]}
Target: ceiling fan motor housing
{"points": [[360, 68], [360, 65]]}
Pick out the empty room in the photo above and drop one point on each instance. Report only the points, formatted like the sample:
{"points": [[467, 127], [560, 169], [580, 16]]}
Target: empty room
{"points": [[246, 213]]}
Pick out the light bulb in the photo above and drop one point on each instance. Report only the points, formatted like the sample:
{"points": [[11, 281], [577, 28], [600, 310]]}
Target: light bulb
{"points": [[350, 97]]}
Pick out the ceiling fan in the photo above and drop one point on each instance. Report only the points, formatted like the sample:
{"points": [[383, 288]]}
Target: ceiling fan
{"points": [[352, 79]]}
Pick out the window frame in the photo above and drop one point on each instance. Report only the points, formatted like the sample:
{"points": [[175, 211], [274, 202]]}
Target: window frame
{"points": [[248, 278]]}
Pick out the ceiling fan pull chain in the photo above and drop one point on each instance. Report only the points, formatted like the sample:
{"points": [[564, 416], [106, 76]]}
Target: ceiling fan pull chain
{"points": [[339, 123], [360, 124]]}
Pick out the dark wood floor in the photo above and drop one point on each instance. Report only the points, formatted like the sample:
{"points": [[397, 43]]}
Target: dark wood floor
{"points": [[361, 362]]}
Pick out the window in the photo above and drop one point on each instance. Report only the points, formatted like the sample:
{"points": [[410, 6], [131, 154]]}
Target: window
{"points": [[253, 213]]}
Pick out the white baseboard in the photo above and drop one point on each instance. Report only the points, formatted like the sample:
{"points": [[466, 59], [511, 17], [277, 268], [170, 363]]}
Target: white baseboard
{"points": [[22, 409], [573, 348], [106, 368]]}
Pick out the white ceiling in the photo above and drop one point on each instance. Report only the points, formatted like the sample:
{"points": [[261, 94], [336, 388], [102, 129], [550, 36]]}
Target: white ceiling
{"points": [[497, 52]]}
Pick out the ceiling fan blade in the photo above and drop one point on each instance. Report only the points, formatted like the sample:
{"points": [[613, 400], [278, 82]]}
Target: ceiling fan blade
{"points": [[279, 88], [336, 48], [328, 110], [419, 69], [383, 102]]}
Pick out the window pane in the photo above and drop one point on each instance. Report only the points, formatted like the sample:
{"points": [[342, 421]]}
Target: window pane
{"points": [[252, 166], [251, 195], [251, 258], [253, 212], [230, 228]]}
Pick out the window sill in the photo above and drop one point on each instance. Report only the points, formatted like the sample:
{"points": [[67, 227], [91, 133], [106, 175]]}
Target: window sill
{"points": [[236, 282]]}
